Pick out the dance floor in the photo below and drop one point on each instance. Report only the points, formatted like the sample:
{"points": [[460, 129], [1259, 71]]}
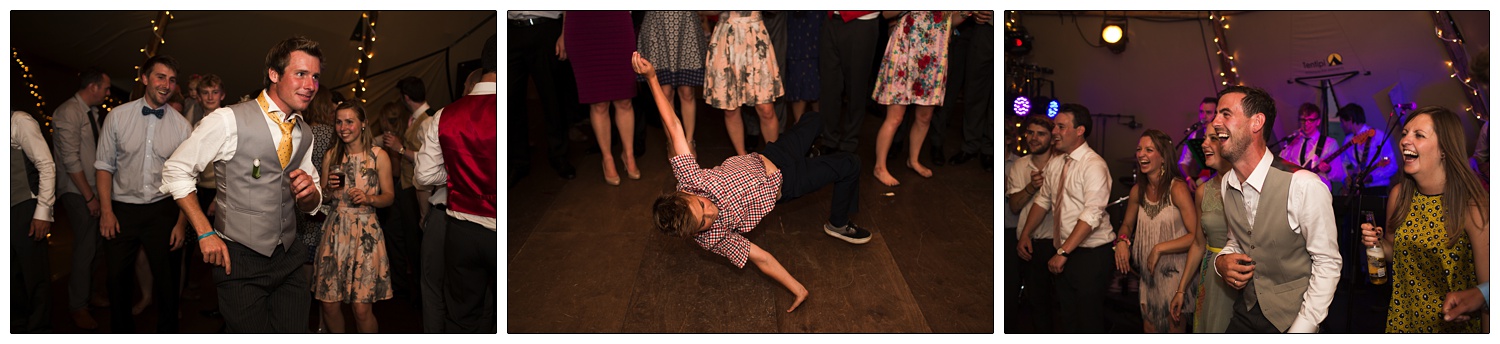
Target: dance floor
{"points": [[583, 256]]}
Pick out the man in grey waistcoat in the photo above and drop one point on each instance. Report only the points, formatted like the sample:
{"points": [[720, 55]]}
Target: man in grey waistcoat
{"points": [[1282, 252], [259, 151]]}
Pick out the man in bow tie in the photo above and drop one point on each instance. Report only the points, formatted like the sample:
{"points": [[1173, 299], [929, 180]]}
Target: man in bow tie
{"points": [[134, 142], [259, 152]]}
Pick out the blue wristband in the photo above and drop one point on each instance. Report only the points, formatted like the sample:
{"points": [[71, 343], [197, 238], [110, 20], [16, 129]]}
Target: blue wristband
{"points": [[205, 235]]}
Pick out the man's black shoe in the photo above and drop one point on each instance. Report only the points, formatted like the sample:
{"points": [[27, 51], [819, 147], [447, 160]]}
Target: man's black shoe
{"points": [[961, 158]]}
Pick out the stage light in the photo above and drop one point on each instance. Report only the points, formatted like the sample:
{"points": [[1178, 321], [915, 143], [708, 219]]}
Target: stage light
{"points": [[1113, 33], [1021, 106], [1017, 41], [1052, 107]]}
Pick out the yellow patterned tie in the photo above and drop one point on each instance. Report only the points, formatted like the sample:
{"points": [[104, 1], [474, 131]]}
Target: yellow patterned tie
{"points": [[284, 149]]}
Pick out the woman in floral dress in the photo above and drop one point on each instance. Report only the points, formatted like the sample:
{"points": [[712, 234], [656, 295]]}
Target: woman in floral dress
{"points": [[351, 265], [913, 72], [741, 70]]}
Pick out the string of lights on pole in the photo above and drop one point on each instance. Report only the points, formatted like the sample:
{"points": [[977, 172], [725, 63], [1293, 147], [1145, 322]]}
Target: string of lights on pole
{"points": [[1453, 44], [30, 81], [365, 34], [158, 35], [1229, 73]]}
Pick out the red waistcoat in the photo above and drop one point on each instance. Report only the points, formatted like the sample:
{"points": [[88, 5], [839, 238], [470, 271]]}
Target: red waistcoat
{"points": [[467, 135]]}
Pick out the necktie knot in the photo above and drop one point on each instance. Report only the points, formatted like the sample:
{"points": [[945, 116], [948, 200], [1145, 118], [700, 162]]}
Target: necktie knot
{"points": [[146, 111]]}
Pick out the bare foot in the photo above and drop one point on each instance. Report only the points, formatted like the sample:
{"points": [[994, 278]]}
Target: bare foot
{"points": [[885, 177], [917, 166], [84, 320]]}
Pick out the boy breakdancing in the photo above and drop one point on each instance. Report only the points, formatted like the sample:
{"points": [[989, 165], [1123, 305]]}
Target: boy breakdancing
{"points": [[713, 206]]}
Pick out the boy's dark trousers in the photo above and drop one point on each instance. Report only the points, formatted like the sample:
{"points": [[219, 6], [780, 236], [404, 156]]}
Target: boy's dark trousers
{"points": [[801, 175]]}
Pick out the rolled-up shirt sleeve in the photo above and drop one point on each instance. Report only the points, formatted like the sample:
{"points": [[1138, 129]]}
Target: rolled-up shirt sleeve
{"points": [[429, 166], [105, 153], [27, 135], [1095, 193], [727, 243], [209, 142]]}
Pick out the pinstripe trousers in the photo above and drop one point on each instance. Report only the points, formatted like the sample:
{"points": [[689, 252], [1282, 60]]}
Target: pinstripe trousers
{"points": [[264, 294]]}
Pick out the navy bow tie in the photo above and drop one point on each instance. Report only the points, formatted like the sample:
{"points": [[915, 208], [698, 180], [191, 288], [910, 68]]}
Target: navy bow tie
{"points": [[158, 112]]}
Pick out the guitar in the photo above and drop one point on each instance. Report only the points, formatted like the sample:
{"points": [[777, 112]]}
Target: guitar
{"points": [[1358, 139]]}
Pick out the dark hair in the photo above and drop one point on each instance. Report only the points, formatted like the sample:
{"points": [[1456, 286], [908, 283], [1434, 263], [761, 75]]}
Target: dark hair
{"points": [[281, 53], [1256, 101], [1463, 188], [1308, 108], [412, 87], [1210, 100], [321, 110], [341, 149], [90, 76], [1164, 147], [164, 60], [488, 56], [1081, 116], [673, 216], [1353, 113]]}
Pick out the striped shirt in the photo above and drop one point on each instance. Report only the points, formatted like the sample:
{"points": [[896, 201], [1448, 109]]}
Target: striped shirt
{"points": [[740, 189]]}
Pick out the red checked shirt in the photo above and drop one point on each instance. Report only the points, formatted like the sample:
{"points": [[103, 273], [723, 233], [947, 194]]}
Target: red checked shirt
{"points": [[740, 189]]}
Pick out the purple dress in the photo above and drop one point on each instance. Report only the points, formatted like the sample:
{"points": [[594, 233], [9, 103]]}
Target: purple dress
{"points": [[599, 44]]}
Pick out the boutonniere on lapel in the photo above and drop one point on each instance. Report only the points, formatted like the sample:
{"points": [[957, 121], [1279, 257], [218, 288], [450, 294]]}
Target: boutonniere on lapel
{"points": [[255, 169]]}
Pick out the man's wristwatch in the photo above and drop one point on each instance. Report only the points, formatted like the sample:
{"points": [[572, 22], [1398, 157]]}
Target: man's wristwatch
{"points": [[1062, 252]]}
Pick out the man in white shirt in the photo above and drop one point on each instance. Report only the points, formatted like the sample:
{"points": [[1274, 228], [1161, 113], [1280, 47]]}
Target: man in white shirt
{"points": [[469, 245], [1023, 181], [1288, 270], [75, 137], [32, 176], [1309, 148], [265, 176], [1081, 228]]}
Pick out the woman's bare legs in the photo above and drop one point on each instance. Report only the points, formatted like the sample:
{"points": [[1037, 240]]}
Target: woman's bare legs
{"points": [[689, 99], [769, 125], [625, 121], [798, 107], [599, 117], [364, 318], [333, 316], [893, 115], [919, 133], [736, 127]]}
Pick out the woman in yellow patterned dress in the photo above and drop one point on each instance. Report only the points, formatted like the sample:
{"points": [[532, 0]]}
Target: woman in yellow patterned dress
{"points": [[1439, 241], [351, 265]]}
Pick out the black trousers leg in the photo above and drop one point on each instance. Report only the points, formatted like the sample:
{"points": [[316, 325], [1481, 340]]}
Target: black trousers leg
{"points": [[145, 227], [264, 294], [85, 227], [30, 302], [979, 91], [1081, 290], [1249, 321], [470, 277], [120, 253], [434, 311], [1041, 290]]}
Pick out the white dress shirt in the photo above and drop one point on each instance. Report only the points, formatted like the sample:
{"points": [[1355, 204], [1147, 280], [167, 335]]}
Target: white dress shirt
{"points": [[73, 137], [133, 147], [1309, 213], [430, 162], [1018, 177], [1084, 197], [217, 139], [26, 135], [1303, 150]]}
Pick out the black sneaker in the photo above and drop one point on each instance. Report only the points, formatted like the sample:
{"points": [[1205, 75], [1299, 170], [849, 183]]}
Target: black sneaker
{"points": [[851, 233]]}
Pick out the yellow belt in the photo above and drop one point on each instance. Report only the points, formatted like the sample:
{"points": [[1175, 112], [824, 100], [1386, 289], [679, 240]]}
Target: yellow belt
{"points": [[1215, 250]]}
